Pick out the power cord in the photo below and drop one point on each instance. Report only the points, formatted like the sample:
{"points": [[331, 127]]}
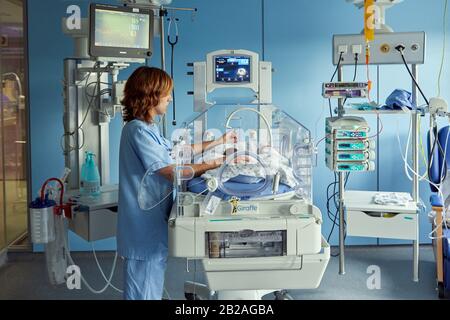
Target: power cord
{"points": [[332, 78], [354, 73], [336, 213], [90, 98], [400, 48]]}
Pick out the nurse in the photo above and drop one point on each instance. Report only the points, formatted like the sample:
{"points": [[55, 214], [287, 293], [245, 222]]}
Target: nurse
{"points": [[142, 235]]}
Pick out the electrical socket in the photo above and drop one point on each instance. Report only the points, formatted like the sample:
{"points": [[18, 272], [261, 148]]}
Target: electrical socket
{"points": [[342, 49], [356, 49]]}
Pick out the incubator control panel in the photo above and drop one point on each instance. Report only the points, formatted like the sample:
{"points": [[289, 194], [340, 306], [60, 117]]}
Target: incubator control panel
{"points": [[232, 69]]}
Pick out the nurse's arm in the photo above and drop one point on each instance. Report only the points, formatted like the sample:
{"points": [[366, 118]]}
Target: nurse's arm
{"points": [[199, 169], [201, 147], [229, 137]]}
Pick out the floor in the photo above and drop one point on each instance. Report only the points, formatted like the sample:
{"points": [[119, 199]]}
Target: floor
{"points": [[25, 277]]}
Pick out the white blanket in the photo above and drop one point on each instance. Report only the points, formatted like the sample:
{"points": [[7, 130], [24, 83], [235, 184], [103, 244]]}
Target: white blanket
{"points": [[274, 162]]}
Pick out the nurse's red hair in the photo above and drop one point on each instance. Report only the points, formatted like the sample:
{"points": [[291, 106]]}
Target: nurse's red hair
{"points": [[143, 91]]}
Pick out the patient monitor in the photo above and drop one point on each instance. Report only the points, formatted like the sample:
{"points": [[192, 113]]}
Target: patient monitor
{"points": [[120, 33]]}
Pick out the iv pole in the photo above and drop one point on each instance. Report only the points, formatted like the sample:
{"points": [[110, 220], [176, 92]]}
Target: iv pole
{"points": [[382, 5], [162, 13]]}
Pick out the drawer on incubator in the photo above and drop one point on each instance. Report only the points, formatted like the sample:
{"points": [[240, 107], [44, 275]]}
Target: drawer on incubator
{"points": [[246, 244], [382, 224]]}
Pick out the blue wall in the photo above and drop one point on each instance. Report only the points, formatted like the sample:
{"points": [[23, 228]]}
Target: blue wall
{"points": [[297, 40]]}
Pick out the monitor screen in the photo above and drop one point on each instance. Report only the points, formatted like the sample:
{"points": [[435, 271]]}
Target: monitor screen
{"points": [[121, 29], [233, 69], [120, 32]]}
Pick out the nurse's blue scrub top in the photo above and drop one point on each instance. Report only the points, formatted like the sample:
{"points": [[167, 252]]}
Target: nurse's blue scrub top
{"points": [[142, 233]]}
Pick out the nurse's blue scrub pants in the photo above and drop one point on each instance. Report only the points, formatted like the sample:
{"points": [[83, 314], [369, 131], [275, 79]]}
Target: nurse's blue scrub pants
{"points": [[144, 279]]}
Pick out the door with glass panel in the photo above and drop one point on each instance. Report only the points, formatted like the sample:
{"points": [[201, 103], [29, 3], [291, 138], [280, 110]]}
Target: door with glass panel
{"points": [[13, 124]]}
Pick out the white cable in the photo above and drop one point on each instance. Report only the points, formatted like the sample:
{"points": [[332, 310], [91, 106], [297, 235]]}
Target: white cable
{"points": [[66, 247], [320, 117], [443, 48], [109, 281], [444, 212], [406, 151], [154, 206], [227, 125], [167, 293], [405, 157], [101, 270], [141, 205]]}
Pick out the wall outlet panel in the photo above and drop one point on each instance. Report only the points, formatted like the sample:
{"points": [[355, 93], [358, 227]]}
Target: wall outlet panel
{"points": [[382, 49]]}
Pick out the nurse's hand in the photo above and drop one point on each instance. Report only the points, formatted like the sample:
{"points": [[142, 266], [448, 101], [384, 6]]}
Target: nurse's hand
{"points": [[229, 152], [230, 137]]}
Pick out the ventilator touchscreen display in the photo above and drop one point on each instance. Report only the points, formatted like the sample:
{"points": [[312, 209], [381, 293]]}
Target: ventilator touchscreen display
{"points": [[121, 29], [233, 69]]}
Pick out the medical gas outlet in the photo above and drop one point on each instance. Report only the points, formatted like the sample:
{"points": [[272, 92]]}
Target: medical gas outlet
{"points": [[348, 145]]}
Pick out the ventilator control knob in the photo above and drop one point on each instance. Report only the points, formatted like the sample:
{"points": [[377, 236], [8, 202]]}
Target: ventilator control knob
{"points": [[295, 209]]}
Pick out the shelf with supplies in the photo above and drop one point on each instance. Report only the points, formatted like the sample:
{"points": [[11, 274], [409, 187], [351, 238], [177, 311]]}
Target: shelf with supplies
{"points": [[352, 111]]}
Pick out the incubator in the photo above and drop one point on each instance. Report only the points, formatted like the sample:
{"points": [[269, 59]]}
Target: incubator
{"points": [[251, 221]]}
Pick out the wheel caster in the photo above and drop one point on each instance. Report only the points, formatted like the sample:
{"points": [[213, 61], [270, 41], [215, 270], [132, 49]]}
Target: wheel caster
{"points": [[190, 296], [282, 295]]}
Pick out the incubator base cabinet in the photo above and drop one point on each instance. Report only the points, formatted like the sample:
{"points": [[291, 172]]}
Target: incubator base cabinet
{"points": [[270, 250]]}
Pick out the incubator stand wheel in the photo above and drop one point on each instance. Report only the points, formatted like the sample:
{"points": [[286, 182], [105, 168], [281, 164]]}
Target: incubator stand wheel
{"points": [[191, 296], [441, 290], [196, 291], [282, 295]]}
